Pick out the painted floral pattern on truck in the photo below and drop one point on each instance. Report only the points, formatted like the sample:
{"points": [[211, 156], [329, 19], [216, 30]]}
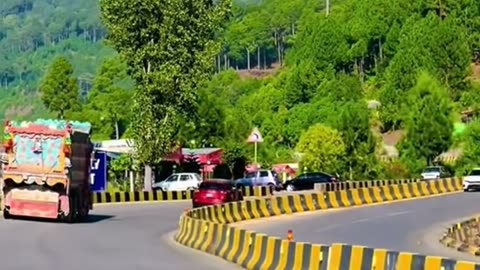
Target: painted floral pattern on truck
{"points": [[48, 157]]}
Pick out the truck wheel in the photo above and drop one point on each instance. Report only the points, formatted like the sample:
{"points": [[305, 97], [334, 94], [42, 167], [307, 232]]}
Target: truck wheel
{"points": [[6, 214], [67, 218]]}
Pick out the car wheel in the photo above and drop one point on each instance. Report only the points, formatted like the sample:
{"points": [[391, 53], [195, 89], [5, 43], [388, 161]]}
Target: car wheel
{"points": [[190, 189], [466, 190], [290, 188]]}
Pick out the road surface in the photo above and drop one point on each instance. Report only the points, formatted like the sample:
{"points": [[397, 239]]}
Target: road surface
{"points": [[120, 237], [414, 225]]}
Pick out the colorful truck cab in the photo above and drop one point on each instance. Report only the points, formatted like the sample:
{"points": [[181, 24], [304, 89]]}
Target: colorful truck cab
{"points": [[46, 172]]}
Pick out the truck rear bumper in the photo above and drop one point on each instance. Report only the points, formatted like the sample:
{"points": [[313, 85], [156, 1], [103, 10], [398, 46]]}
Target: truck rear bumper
{"points": [[33, 209]]}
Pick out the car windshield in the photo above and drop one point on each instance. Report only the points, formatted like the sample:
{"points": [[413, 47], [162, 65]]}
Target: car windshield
{"points": [[171, 178], [475, 173], [213, 186], [432, 169]]}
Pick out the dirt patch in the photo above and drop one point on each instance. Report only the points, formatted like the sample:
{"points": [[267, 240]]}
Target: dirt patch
{"points": [[393, 137], [256, 73], [475, 72]]}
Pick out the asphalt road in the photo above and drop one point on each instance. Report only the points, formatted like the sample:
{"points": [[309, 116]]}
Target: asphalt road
{"points": [[413, 226], [135, 236]]}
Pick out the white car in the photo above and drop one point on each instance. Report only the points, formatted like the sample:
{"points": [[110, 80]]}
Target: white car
{"points": [[434, 172], [179, 182], [472, 180]]}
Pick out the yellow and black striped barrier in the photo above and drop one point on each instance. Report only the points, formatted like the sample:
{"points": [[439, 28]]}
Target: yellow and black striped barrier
{"points": [[463, 236], [207, 229], [146, 196], [361, 184]]}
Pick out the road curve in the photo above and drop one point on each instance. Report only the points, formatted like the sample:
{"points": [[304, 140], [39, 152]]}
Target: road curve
{"points": [[135, 236], [412, 225]]}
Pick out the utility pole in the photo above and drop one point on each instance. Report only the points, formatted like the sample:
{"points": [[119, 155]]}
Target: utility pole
{"points": [[327, 7]]}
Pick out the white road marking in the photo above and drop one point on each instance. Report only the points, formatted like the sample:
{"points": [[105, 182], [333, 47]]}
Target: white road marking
{"points": [[399, 213], [383, 216], [361, 220]]}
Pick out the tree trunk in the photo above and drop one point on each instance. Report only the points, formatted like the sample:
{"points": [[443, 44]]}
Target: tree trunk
{"points": [[380, 50], [362, 63], [248, 59], [264, 58], [117, 133], [147, 184], [279, 48], [259, 64]]}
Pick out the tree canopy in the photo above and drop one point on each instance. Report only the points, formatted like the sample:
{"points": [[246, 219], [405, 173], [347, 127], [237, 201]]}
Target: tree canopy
{"points": [[322, 148], [59, 89]]}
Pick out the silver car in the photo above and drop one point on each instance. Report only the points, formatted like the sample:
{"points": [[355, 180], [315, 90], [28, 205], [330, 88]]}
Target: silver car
{"points": [[179, 182], [260, 178]]}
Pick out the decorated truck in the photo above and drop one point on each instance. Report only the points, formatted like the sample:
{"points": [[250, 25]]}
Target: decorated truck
{"points": [[46, 169]]}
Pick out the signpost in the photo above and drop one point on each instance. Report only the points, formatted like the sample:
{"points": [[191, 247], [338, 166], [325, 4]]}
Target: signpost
{"points": [[255, 138], [98, 172]]}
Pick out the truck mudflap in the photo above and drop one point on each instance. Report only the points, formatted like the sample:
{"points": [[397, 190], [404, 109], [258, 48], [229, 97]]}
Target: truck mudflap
{"points": [[32, 203]]}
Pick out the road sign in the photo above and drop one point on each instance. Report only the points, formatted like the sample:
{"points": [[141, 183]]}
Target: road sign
{"points": [[98, 172], [255, 136]]}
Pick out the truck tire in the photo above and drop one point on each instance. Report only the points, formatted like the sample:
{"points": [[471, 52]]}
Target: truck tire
{"points": [[6, 214], [72, 214]]}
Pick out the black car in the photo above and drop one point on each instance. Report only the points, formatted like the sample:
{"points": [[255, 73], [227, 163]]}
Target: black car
{"points": [[308, 180]]}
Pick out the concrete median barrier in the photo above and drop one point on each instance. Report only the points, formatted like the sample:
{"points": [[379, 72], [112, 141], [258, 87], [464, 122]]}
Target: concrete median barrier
{"points": [[145, 196], [464, 236], [323, 187], [207, 229]]}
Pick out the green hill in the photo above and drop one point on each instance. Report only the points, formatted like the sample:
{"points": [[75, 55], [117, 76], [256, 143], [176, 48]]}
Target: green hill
{"points": [[32, 33]]}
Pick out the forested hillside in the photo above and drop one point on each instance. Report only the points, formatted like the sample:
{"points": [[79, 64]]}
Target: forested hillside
{"points": [[312, 75], [32, 33], [414, 56]]}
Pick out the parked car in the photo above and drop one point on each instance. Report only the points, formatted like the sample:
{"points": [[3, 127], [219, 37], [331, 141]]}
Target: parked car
{"points": [[179, 182], [472, 180], [216, 191], [434, 172], [260, 178], [308, 180]]}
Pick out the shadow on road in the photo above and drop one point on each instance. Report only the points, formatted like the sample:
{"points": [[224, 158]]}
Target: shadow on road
{"points": [[92, 218]]}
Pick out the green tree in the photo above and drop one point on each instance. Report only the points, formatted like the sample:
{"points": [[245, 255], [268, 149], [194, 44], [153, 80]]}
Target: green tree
{"points": [[60, 89], [429, 125], [110, 102], [471, 152], [168, 47], [322, 148]]}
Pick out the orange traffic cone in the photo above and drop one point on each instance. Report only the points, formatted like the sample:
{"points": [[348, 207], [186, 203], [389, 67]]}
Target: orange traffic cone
{"points": [[290, 235]]}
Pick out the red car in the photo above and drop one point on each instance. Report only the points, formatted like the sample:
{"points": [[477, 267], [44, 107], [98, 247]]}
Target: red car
{"points": [[216, 191]]}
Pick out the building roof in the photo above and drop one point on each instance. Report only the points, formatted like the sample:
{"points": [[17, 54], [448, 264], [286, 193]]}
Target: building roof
{"points": [[199, 151]]}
